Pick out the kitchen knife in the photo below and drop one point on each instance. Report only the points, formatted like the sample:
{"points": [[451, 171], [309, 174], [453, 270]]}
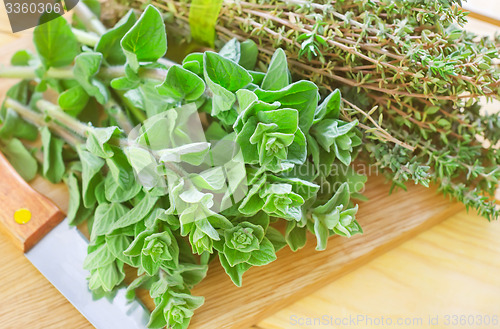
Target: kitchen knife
{"points": [[58, 251]]}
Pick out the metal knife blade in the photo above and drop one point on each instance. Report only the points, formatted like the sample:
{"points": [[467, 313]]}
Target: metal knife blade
{"points": [[59, 257], [58, 251]]}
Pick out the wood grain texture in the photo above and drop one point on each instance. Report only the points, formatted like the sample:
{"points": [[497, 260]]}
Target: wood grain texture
{"points": [[28, 300], [488, 10], [451, 269], [15, 194], [387, 221]]}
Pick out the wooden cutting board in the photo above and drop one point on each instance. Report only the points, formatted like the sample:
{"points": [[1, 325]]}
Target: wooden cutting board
{"points": [[387, 220]]}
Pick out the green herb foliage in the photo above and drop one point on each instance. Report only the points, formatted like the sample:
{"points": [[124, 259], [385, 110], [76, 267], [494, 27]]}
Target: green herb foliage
{"points": [[410, 74], [176, 164]]}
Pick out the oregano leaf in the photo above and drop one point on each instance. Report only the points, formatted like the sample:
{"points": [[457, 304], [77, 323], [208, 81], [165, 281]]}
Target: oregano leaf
{"points": [[146, 41]]}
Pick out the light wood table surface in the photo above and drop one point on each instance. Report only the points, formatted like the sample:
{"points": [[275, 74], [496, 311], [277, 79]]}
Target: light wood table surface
{"points": [[452, 269]]}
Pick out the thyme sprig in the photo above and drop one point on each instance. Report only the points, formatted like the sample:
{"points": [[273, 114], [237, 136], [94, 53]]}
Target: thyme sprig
{"points": [[411, 62], [175, 165]]}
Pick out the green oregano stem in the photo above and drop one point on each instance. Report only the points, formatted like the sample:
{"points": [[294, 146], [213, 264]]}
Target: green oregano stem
{"points": [[67, 120], [91, 22], [138, 113], [38, 119], [86, 38], [106, 73], [28, 72], [69, 123], [115, 111]]}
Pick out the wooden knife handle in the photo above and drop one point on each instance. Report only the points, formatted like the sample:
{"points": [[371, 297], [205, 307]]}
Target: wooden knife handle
{"points": [[16, 194]]}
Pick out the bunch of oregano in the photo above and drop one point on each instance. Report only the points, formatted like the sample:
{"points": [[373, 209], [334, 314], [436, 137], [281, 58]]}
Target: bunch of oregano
{"points": [[408, 72], [173, 165]]}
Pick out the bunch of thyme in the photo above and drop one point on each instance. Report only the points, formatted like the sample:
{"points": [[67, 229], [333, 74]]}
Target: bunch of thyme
{"points": [[408, 72], [172, 166]]}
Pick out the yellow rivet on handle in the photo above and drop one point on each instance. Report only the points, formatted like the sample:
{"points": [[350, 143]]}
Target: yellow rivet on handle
{"points": [[22, 216]]}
